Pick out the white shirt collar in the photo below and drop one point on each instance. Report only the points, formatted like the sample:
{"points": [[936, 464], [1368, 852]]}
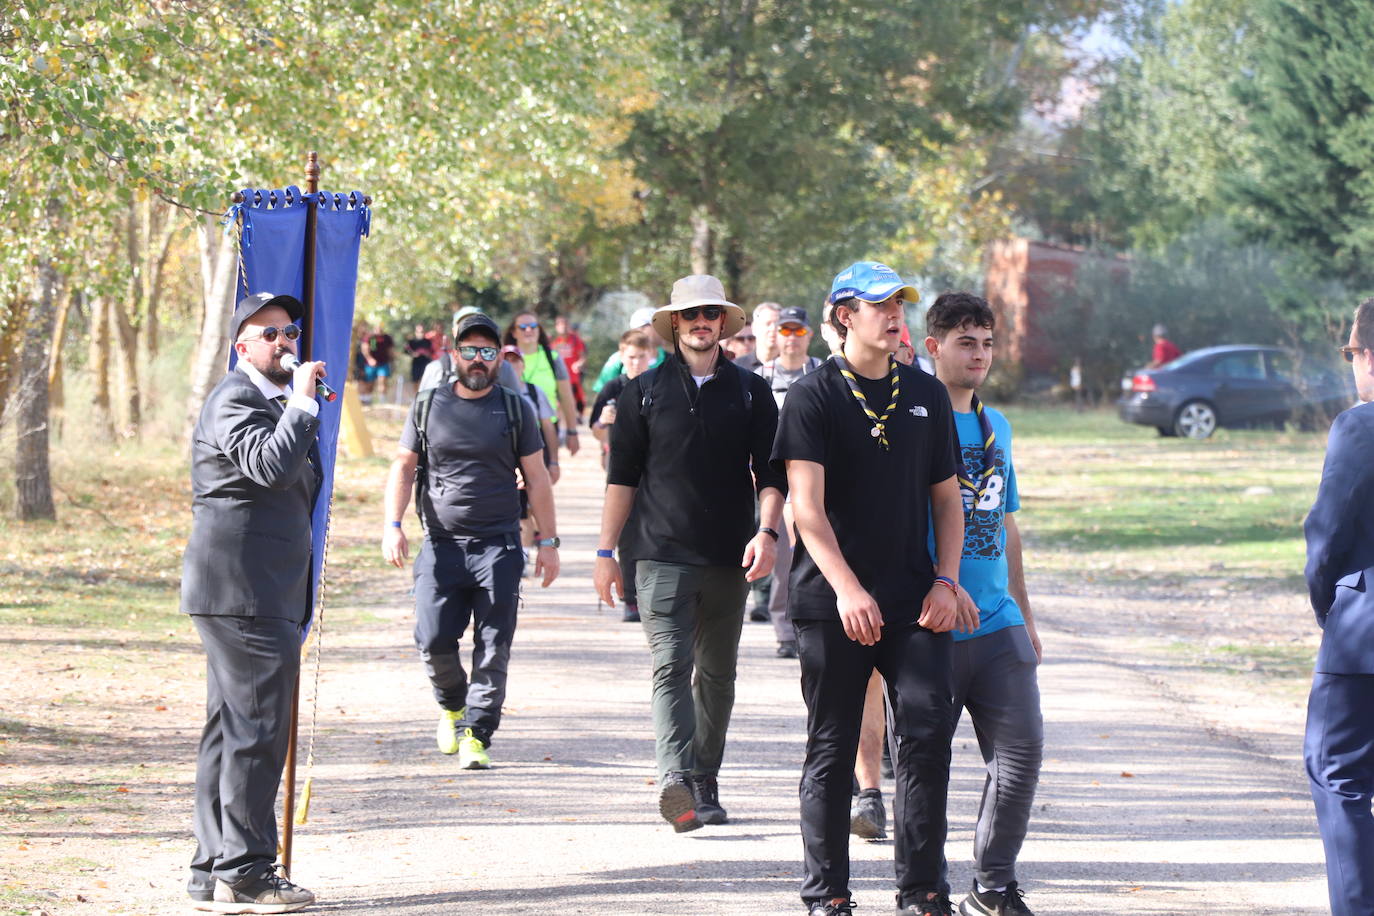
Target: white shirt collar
{"points": [[270, 389]]}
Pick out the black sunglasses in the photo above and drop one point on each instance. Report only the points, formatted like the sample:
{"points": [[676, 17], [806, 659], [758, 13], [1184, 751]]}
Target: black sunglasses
{"points": [[488, 354], [269, 333], [709, 312]]}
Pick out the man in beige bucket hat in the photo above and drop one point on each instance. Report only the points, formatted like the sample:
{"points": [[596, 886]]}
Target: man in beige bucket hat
{"points": [[689, 450]]}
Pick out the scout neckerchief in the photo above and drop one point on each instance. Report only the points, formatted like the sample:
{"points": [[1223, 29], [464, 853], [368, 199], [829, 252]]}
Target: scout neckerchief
{"points": [[975, 484], [879, 430]]}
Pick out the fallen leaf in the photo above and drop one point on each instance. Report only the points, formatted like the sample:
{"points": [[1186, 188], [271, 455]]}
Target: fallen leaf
{"points": [[1125, 775], [122, 789]]}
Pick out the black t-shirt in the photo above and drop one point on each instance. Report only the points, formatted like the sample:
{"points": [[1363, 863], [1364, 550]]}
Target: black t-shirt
{"points": [[609, 392], [877, 501], [471, 473]]}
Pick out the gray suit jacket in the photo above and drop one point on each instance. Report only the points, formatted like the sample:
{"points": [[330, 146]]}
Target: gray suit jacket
{"points": [[252, 488]]}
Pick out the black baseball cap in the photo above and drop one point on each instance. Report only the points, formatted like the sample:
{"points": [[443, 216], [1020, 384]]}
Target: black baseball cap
{"points": [[793, 314], [250, 305], [477, 322]]}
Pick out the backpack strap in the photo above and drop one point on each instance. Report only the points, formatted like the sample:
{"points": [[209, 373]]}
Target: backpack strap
{"points": [[515, 419], [646, 389], [423, 401]]}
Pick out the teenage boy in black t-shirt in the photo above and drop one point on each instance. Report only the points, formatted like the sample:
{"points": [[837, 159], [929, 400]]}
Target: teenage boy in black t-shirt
{"points": [[868, 447]]}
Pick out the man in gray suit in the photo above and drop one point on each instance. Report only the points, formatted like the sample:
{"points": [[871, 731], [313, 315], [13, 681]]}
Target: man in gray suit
{"points": [[246, 584]]}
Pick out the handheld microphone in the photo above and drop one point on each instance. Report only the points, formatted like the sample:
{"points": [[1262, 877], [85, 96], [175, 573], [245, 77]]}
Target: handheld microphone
{"points": [[289, 363]]}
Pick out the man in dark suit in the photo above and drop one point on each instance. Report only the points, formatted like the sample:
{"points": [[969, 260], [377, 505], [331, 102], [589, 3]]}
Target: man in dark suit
{"points": [[1339, 748], [245, 583]]}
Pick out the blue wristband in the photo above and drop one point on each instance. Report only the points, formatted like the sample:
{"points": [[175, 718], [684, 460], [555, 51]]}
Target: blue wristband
{"points": [[606, 554], [950, 583], [395, 524]]}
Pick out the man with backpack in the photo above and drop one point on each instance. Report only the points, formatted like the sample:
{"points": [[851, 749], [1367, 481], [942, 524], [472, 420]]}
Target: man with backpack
{"points": [[459, 450], [689, 448]]}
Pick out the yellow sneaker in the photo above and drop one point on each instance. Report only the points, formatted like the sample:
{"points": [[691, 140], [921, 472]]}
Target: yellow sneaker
{"points": [[472, 753], [446, 735]]}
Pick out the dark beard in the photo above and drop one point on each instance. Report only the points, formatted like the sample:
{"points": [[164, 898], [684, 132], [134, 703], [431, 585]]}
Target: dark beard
{"points": [[275, 373], [475, 380]]}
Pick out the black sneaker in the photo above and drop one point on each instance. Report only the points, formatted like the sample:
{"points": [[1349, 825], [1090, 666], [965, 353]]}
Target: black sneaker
{"points": [[707, 792], [867, 817], [934, 905], [677, 803], [631, 613], [831, 908], [787, 648], [268, 892], [995, 903], [759, 614]]}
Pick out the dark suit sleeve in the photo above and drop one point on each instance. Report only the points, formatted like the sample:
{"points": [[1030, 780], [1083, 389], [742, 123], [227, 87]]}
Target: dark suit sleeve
{"points": [[269, 452], [1344, 492]]}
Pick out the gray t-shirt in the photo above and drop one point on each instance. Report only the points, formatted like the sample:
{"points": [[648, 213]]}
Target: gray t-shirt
{"points": [[779, 379], [470, 486]]}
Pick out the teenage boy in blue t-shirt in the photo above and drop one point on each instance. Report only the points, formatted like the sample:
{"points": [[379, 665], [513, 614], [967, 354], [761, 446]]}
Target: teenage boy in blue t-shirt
{"points": [[995, 665]]}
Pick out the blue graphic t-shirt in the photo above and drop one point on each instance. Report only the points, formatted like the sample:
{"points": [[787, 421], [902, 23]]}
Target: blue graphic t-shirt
{"points": [[983, 568]]}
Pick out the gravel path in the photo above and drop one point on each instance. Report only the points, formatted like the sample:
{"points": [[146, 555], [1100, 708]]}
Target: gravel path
{"points": [[1160, 794]]}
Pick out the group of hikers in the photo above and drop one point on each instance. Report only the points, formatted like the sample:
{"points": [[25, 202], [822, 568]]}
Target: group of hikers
{"points": [[878, 498]]}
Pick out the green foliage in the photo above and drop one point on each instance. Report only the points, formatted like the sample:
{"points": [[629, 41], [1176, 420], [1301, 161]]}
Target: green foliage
{"points": [[1310, 103], [1168, 130], [1206, 287], [782, 125]]}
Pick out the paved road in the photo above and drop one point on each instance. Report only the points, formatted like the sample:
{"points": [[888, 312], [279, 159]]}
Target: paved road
{"points": [[1143, 807]]}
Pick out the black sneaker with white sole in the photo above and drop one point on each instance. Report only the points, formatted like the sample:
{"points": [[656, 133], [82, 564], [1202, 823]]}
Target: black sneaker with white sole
{"points": [[934, 904], [1010, 902], [267, 892], [831, 908]]}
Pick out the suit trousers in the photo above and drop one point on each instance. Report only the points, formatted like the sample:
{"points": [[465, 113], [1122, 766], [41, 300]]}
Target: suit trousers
{"points": [[915, 664], [995, 680], [692, 617], [251, 669], [1339, 753], [457, 582]]}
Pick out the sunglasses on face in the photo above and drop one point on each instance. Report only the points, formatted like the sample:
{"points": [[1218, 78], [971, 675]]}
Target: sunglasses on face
{"points": [[269, 333], [486, 354], [1349, 353], [527, 326], [709, 312], [793, 331]]}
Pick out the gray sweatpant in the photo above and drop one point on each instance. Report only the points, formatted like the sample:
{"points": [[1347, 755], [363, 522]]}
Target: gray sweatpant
{"points": [[995, 680]]}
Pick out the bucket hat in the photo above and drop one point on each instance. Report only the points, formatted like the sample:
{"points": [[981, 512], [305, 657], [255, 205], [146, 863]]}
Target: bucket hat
{"points": [[693, 291]]}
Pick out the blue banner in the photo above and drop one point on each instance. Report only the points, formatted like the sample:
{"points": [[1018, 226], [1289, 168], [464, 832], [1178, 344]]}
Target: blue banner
{"points": [[272, 257]]}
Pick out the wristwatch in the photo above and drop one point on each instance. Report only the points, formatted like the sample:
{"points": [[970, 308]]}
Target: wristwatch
{"points": [[548, 542]]}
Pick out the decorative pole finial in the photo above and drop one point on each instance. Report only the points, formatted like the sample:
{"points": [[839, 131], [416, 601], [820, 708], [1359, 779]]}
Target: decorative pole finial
{"points": [[312, 172]]}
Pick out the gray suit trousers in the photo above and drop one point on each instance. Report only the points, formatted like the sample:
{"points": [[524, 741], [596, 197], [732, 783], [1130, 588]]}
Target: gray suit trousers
{"points": [[251, 668]]}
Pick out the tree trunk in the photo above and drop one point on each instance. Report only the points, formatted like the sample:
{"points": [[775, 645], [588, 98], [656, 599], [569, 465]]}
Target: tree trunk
{"points": [[736, 267], [56, 400], [32, 476], [702, 242], [219, 259], [164, 229], [128, 351], [13, 320], [102, 423]]}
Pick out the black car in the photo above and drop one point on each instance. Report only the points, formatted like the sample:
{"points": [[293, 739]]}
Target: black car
{"points": [[1233, 386]]}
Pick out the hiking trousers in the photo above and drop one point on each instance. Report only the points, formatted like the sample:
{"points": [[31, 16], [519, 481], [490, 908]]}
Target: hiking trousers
{"points": [[692, 616]]}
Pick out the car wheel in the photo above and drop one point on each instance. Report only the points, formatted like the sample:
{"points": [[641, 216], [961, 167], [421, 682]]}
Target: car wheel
{"points": [[1166, 430], [1195, 420]]}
